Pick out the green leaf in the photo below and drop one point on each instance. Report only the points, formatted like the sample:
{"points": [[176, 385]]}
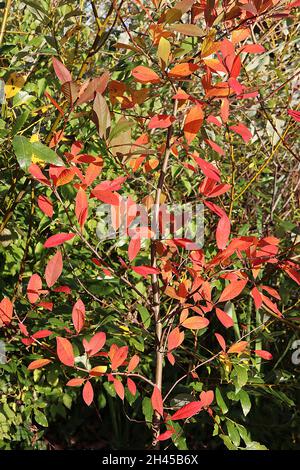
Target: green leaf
{"points": [[145, 315], [147, 411], [227, 442], [220, 401], [233, 433], [40, 418], [241, 376], [245, 402], [46, 154], [67, 401], [23, 150]]}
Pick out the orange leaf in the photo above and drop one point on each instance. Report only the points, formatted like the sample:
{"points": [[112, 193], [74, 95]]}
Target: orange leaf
{"points": [[238, 347], [95, 344], [133, 363], [161, 121], [38, 364], [75, 382], [175, 338], [33, 288], [224, 318], [119, 388], [6, 311], [81, 207], [193, 123], [88, 393], [119, 357], [232, 290], [195, 323], [53, 269], [183, 70], [264, 354], [223, 232], [64, 351], [145, 75]]}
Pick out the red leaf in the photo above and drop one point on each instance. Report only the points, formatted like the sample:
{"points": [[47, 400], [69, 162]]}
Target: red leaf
{"points": [[81, 207], [256, 295], [134, 247], [38, 364], [223, 232], [78, 315], [145, 270], [187, 411], [208, 169], [61, 71], [88, 393], [107, 196], [131, 386], [221, 341], [64, 350], [133, 363], [232, 290], [58, 239], [145, 75], [193, 123], [253, 49], [95, 344], [53, 269], [224, 318], [45, 205], [238, 347], [215, 147], [119, 388], [156, 400], [183, 70], [33, 288], [75, 382], [96, 85], [294, 114], [195, 323], [161, 121], [207, 398], [175, 339], [37, 174], [42, 334], [119, 357], [6, 311], [165, 435], [264, 354], [243, 131]]}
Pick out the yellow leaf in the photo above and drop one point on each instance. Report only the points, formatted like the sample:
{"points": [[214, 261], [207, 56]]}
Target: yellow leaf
{"points": [[14, 84], [34, 158], [163, 51]]}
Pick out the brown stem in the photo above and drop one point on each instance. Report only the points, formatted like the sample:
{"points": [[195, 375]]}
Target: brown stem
{"points": [[155, 282]]}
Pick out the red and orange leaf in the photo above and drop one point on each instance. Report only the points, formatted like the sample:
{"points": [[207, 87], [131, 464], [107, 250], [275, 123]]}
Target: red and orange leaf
{"points": [[263, 354], [193, 123], [134, 247], [223, 232], [157, 402], [33, 288], [232, 290], [131, 386], [45, 205], [145, 75], [243, 131], [6, 311], [221, 341], [119, 357], [133, 363], [53, 269], [161, 121], [165, 435], [81, 207], [64, 350], [78, 315], [175, 339], [183, 70], [195, 323], [58, 239], [75, 382], [88, 393], [38, 363], [207, 398], [96, 343], [119, 388], [208, 169], [145, 270], [224, 318]]}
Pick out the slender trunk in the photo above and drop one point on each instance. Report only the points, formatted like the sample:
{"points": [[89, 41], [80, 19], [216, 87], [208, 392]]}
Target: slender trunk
{"points": [[155, 283]]}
